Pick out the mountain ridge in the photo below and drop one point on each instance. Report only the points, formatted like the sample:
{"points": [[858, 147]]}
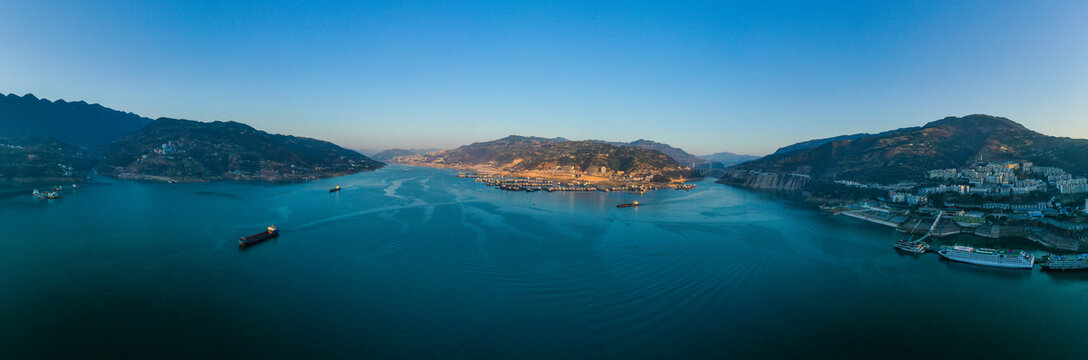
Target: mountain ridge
{"points": [[35, 160], [727, 159], [675, 153], [78, 123], [193, 151], [905, 154], [390, 154], [535, 154]]}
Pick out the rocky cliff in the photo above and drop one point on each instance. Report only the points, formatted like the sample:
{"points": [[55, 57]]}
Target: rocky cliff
{"points": [[765, 180]]}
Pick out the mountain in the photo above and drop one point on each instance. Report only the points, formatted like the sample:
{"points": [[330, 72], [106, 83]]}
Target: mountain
{"points": [[184, 150], [906, 154], [42, 161], [521, 154], [78, 123], [677, 154], [804, 145], [527, 139], [809, 144], [387, 155], [728, 158]]}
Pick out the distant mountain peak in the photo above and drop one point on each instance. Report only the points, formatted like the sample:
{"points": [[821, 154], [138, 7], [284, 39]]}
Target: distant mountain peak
{"points": [[390, 154], [729, 159], [675, 153], [979, 122], [78, 123], [519, 138]]}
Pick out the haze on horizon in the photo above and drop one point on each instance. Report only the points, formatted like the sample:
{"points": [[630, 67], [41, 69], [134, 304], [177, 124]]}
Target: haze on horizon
{"points": [[741, 77]]}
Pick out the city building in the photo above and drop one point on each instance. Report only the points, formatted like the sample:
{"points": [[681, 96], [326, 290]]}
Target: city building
{"points": [[911, 199], [1073, 188]]}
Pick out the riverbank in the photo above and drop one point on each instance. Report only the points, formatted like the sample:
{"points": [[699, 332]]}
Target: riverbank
{"points": [[564, 178], [428, 265], [938, 227], [268, 178]]}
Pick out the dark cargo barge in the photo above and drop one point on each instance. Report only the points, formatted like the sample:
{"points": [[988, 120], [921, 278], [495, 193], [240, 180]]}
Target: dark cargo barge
{"points": [[256, 238]]}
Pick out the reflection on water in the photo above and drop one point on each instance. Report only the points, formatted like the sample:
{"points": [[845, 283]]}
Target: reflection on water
{"points": [[986, 270], [423, 264], [1076, 277]]}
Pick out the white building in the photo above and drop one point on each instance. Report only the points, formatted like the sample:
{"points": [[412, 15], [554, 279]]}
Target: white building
{"points": [[1073, 188], [941, 189], [1030, 207], [1047, 171], [898, 197]]}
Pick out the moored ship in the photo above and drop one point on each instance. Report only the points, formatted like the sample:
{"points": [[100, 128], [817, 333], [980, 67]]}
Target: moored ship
{"points": [[48, 195], [915, 246], [1064, 262], [256, 238], [1013, 259]]}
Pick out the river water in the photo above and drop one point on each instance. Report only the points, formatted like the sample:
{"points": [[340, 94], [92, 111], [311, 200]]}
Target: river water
{"points": [[411, 262]]}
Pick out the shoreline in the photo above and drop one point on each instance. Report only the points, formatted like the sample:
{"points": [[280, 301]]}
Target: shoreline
{"points": [[560, 177], [227, 178], [1070, 245]]}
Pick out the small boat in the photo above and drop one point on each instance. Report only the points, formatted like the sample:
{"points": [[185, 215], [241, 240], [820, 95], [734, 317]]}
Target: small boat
{"points": [[634, 204], [335, 189], [46, 195], [256, 238], [916, 246]]}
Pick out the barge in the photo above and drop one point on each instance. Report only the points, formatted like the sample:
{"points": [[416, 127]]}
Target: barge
{"points": [[256, 238]]}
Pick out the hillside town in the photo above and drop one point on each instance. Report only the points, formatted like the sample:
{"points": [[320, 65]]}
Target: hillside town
{"points": [[596, 177], [503, 182], [995, 199], [42, 161]]}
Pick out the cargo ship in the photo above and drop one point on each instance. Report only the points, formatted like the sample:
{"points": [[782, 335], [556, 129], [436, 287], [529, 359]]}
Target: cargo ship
{"points": [[1013, 259], [634, 204], [256, 238], [335, 189], [46, 195], [916, 246], [1065, 262]]}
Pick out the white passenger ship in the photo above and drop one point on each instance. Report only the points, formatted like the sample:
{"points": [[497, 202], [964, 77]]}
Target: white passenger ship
{"points": [[1014, 259]]}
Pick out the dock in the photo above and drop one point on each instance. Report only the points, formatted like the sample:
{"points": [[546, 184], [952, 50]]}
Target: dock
{"points": [[876, 215]]}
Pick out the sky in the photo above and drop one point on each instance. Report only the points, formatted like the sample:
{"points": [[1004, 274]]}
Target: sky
{"points": [[744, 77]]}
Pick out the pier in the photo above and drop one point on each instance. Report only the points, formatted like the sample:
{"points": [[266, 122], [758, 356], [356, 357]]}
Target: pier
{"points": [[877, 215]]}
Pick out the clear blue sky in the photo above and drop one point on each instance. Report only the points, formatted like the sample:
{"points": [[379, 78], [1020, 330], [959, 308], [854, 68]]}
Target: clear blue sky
{"points": [[743, 77]]}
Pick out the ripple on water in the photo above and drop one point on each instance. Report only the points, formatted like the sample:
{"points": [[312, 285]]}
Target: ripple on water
{"points": [[424, 263]]}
